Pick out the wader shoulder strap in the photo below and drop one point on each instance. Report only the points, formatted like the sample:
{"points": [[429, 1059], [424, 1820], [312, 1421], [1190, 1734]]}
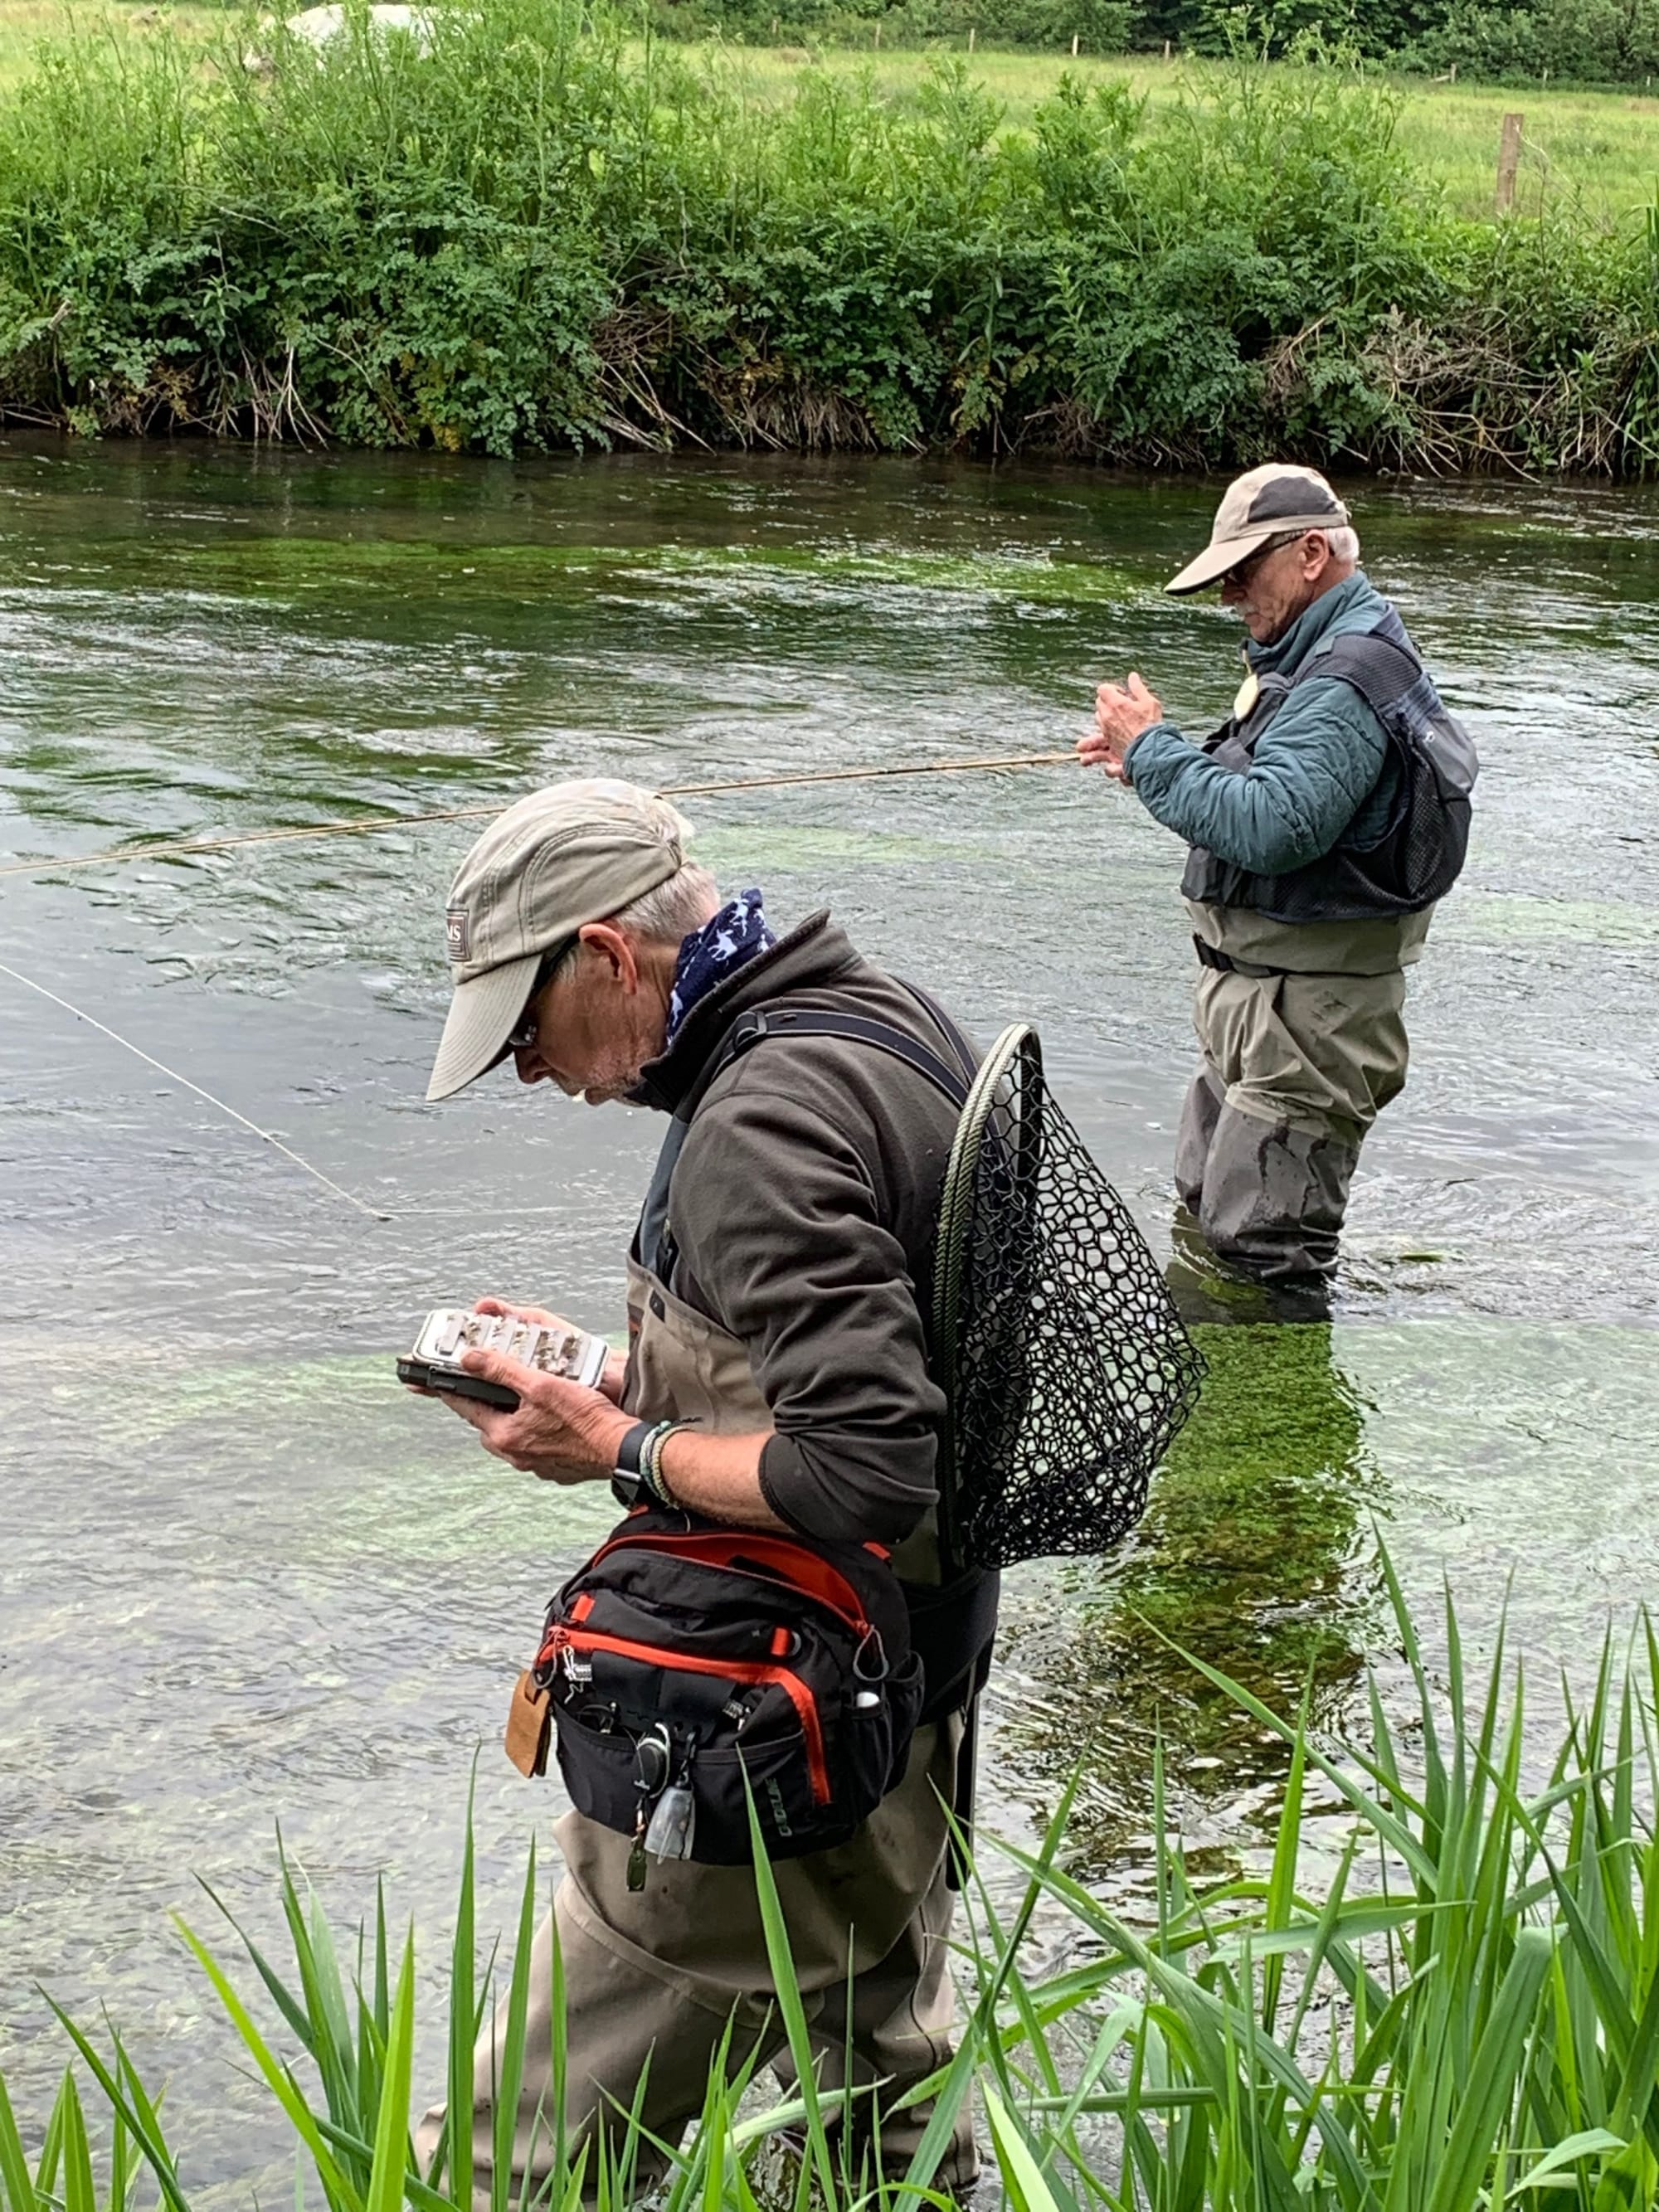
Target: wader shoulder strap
{"points": [[968, 1058], [749, 1029], [653, 1247], [653, 1241]]}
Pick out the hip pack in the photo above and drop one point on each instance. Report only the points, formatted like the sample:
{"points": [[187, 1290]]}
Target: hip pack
{"points": [[687, 1659]]}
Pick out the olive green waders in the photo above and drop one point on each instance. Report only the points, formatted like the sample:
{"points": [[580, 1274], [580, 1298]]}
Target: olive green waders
{"points": [[1296, 1069], [654, 1978]]}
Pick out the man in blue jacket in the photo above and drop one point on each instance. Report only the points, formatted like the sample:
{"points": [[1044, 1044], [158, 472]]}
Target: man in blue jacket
{"points": [[1326, 817]]}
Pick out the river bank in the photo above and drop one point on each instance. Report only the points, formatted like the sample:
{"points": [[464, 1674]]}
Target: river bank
{"points": [[523, 231]]}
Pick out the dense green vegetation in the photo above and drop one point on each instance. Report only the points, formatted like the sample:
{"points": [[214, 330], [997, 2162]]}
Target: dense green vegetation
{"points": [[1461, 2016], [518, 232]]}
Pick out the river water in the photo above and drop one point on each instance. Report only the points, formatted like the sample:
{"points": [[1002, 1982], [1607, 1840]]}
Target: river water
{"points": [[245, 1579]]}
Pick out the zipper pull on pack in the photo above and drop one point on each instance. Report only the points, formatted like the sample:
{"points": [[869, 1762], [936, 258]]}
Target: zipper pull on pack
{"points": [[637, 1868]]}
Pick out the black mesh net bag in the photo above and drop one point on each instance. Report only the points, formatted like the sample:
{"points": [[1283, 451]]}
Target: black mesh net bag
{"points": [[1065, 1363]]}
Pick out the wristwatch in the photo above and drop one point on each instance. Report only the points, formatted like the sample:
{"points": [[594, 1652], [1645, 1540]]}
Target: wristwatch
{"points": [[627, 1479]]}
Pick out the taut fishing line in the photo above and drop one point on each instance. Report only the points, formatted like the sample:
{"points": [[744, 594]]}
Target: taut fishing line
{"points": [[384, 822], [173, 1076]]}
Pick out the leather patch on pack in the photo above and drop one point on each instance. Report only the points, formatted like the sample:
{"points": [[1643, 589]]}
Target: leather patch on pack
{"points": [[529, 1723], [458, 933]]}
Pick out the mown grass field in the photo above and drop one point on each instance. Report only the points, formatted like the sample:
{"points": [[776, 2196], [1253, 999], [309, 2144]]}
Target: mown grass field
{"points": [[1594, 151], [1599, 149]]}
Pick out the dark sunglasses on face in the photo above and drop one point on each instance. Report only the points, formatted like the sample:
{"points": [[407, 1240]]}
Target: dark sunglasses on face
{"points": [[1245, 571], [522, 1035]]}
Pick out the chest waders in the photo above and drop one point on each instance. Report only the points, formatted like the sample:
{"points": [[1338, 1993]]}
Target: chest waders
{"points": [[1298, 1062], [683, 1366]]}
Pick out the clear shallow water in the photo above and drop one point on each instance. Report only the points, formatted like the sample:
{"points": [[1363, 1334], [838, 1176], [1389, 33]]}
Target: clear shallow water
{"points": [[245, 1578]]}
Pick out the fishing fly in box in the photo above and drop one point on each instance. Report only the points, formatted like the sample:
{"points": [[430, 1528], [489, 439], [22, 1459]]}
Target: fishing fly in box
{"points": [[449, 1333]]}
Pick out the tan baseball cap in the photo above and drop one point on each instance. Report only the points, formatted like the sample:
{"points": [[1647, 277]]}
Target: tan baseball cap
{"points": [[1256, 507], [570, 854]]}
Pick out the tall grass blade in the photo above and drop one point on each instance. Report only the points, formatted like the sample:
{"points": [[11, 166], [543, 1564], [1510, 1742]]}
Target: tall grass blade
{"points": [[340, 2191], [463, 2022], [16, 2179], [128, 2100], [79, 2193], [392, 2158], [1021, 2177]]}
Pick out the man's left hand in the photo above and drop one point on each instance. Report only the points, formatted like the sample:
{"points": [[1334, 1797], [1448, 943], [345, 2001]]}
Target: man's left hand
{"points": [[1122, 713], [559, 1431]]}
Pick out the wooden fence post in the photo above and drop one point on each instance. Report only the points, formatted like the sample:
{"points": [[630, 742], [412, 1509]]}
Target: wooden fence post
{"points": [[1166, 50], [970, 39], [1509, 161], [1075, 35]]}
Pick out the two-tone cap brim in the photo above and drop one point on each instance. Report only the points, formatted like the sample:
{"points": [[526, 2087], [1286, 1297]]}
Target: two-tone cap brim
{"points": [[482, 1016], [1213, 562], [1224, 553]]}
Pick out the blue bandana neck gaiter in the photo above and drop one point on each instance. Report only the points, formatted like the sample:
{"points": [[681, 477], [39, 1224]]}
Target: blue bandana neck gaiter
{"points": [[716, 950]]}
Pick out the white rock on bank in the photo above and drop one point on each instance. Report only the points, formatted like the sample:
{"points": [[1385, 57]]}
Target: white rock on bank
{"points": [[316, 26]]}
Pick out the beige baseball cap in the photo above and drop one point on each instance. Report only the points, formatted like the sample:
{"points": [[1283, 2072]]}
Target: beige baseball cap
{"points": [[570, 854], [1256, 507]]}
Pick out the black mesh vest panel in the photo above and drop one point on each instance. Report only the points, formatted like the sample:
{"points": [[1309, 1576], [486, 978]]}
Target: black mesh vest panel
{"points": [[1420, 851]]}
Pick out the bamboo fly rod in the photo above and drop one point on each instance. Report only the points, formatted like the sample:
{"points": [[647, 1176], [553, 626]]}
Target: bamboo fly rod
{"points": [[182, 848]]}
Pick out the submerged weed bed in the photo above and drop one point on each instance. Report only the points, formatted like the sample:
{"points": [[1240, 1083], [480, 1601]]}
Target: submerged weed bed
{"points": [[1466, 2016], [521, 230]]}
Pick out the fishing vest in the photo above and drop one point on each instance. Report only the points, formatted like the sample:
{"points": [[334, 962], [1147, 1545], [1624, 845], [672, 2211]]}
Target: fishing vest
{"points": [[1421, 852], [682, 1366]]}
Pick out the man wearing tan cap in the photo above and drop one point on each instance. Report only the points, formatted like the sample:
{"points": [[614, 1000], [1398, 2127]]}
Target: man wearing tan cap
{"points": [[777, 1357], [1325, 817]]}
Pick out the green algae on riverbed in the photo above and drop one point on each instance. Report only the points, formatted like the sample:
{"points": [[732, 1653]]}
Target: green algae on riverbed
{"points": [[297, 563], [1244, 1560]]}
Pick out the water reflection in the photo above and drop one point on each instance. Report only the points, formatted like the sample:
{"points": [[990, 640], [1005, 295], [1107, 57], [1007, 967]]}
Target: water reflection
{"points": [[1244, 1560]]}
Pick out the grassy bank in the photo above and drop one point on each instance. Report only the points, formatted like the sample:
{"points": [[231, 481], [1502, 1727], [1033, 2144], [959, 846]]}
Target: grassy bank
{"points": [[534, 233], [1463, 2017], [1592, 155]]}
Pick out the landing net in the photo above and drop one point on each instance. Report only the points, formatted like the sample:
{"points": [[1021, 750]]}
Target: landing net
{"points": [[1067, 1367]]}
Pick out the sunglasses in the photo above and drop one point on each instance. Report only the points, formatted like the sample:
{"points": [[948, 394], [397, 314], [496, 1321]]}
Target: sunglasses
{"points": [[522, 1035], [1246, 571]]}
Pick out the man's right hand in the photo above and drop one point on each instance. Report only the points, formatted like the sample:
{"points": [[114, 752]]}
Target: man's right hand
{"points": [[1122, 714], [616, 1365]]}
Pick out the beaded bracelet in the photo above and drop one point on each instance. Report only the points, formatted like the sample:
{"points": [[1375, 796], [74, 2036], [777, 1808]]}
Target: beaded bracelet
{"points": [[652, 1473]]}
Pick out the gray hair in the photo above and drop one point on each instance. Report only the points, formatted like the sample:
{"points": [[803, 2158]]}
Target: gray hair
{"points": [[663, 916], [1344, 541]]}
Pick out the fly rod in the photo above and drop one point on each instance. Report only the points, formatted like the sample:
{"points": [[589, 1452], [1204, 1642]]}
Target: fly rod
{"points": [[184, 1081], [378, 823]]}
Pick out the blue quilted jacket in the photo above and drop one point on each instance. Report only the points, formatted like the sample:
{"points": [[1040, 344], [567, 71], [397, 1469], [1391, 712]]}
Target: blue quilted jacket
{"points": [[1321, 776]]}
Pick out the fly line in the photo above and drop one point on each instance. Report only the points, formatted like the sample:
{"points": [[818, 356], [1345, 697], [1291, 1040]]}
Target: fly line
{"points": [[380, 824]]}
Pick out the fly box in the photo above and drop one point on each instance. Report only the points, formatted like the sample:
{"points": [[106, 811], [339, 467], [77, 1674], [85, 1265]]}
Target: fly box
{"points": [[448, 1335]]}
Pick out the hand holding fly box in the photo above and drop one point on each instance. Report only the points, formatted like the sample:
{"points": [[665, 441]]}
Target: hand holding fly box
{"points": [[447, 1335]]}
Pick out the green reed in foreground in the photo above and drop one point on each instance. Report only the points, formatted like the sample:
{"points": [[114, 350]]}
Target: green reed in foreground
{"points": [[1468, 2017]]}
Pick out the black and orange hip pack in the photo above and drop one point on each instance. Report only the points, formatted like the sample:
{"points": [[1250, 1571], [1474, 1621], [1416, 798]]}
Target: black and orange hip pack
{"points": [[688, 1658]]}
